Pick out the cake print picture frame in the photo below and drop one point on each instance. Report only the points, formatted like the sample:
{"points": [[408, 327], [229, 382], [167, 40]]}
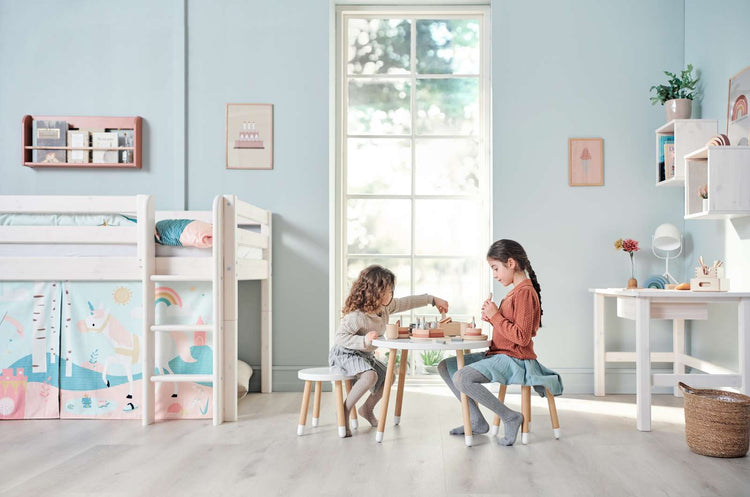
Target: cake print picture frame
{"points": [[249, 136], [585, 162]]}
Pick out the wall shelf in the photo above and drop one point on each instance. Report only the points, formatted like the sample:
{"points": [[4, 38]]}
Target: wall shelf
{"points": [[689, 134], [98, 123], [725, 171]]}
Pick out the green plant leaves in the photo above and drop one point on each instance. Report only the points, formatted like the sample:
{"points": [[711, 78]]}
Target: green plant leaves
{"points": [[682, 86]]}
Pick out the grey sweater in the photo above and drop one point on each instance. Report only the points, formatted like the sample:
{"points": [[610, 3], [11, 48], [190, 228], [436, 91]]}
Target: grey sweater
{"points": [[355, 325]]}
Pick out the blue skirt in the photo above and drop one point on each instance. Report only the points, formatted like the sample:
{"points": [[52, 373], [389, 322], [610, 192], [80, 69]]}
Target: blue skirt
{"points": [[506, 370]]}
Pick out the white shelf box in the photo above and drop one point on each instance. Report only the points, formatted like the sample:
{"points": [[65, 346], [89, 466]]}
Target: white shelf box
{"points": [[689, 135], [726, 173]]}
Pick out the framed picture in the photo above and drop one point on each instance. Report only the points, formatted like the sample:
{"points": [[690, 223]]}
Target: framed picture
{"points": [[585, 161], [738, 122], [249, 136]]}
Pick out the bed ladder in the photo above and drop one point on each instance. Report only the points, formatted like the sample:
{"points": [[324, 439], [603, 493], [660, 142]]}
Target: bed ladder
{"points": [[216, 329]]}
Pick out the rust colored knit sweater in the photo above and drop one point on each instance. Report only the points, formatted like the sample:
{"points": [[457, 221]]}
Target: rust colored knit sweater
{"points": [[516, 323]]}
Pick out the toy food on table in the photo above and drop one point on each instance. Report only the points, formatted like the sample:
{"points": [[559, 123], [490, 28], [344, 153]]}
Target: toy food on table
{"points": [[683, 286]]}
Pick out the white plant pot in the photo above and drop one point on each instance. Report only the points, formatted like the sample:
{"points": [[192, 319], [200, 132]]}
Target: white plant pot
{"points": [[705, 205], [678, 108]]}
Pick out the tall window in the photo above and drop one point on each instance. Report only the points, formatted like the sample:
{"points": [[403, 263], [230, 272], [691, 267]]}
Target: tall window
{"points": [[413, 161]]}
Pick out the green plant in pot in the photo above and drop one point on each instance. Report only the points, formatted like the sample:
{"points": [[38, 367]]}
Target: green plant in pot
{"points": [[431, 359], [677, 94]]}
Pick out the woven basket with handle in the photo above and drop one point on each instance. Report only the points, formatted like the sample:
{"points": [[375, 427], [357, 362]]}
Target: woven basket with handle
{"points": [[717, 423]]}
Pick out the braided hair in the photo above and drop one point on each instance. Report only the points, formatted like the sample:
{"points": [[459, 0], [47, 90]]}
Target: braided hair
{"points": [[502, 250]]}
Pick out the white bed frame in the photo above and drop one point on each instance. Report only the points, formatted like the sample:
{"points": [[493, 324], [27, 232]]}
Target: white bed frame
{"points": [[230, 217]]}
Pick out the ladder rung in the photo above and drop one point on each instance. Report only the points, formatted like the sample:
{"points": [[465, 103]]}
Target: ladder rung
{"points": [[182, 378], [183, 327], [179, 277]]}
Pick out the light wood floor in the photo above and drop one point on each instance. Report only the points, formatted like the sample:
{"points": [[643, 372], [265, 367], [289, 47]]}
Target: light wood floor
{"points": [[600, 454]]}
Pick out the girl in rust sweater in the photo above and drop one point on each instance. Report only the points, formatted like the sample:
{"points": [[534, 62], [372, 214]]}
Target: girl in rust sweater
{"points": [[511, 358]]}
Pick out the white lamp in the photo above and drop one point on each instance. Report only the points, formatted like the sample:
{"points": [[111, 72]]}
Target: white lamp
{"points": [[667, 238]]}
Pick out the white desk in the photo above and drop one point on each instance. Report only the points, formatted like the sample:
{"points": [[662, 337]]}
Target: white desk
{"points": [[642, 305], [405, 345]]}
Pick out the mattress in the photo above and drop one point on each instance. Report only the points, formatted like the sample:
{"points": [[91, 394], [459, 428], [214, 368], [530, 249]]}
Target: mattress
{"points": [[111, 250]]}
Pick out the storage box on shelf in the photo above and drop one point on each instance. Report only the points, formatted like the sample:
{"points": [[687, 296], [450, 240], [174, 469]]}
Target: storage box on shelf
{"points": [[95, 123], [725, 172], [689, 134]]}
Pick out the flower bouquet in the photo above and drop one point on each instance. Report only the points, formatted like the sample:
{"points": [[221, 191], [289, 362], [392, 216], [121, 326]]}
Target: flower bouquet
{"points": [[631, 247]]}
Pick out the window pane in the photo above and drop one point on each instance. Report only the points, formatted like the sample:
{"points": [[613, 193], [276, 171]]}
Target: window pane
{"points": [[448, 106], [447, 227], [379, 107], [379, 46], [400, 267], [456, 280], [448, 47], [447, 166], [378, 166], [378, 226]]}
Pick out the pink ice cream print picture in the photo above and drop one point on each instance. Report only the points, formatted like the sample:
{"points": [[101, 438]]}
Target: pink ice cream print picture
{"points": [[585, 162]]}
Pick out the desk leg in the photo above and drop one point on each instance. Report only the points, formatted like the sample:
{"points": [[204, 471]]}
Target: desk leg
{"points": [[642, 363], [678, 348], [599, 349], [468, 438], [400, 389], [743, 322], [386, 394]]}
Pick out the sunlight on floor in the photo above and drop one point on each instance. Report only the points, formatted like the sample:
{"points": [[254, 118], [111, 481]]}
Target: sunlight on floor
{"points": [[604, 406]]}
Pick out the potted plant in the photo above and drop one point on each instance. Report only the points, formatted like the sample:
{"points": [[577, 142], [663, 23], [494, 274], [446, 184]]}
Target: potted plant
{"points": [[703, 192], [677, 95], [631, 247], [431, 359]]}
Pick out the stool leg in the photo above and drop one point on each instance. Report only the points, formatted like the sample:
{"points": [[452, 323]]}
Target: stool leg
{"points": [[303, 409], [340, 408], [316, 403], [496, 420], [354, 422], [526, 411], [400, 388], [553, 414]]}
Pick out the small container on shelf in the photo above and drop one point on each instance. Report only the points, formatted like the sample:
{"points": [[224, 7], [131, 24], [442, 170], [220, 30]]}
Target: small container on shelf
{"points": [[709, 280]]}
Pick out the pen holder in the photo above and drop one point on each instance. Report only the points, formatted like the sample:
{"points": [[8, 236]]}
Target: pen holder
{"points": [[714, 281]]}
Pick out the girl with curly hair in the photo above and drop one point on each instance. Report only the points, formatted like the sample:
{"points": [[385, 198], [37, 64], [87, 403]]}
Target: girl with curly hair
{"points": [[365, 314]]}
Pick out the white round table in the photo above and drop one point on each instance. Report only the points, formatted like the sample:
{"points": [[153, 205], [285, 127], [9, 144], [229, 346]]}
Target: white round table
{"points": [[407, 344]]}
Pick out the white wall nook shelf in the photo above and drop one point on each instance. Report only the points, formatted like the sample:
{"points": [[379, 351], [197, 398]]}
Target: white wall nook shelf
{"points": [[686, 135], [724, 172]]}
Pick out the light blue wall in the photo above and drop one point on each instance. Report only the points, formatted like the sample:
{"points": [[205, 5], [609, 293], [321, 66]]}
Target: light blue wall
{"points": [[716, 42], [581, 69], [560, 69], [93, 58]]}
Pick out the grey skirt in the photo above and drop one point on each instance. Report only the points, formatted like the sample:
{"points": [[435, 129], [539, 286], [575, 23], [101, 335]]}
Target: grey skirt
{"points": [[354, 362]]}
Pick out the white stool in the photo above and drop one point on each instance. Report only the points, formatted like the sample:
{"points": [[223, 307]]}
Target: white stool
{"points": [[319, 375], [526, 411]]}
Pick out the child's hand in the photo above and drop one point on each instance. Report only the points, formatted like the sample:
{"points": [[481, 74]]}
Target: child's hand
{"points": [[489, 309], [442, 305], [371, 335]]}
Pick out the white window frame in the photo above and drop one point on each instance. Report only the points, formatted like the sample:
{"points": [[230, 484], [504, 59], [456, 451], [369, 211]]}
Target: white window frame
{"points": [[338, 126]]}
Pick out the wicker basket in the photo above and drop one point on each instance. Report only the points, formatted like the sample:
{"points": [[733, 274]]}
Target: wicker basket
{"points": [[717, 423]]}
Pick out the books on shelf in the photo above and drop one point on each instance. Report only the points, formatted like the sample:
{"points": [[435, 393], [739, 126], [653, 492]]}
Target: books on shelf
{"points": [[125, 138], [50, 134], [669, 160], [79, 139], [104, 140], [663, 140]]}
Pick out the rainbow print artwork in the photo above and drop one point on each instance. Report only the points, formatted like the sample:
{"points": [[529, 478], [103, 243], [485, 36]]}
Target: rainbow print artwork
{"points": [[740, 108], [167, 296]]}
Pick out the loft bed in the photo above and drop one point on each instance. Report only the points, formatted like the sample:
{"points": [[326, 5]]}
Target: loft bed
{"points": [[241, 251]]}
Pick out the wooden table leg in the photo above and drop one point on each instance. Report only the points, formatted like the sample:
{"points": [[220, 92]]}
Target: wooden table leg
{"points": [[468, 438], [599, 348], [304, 408], [496, 419], [386, 394], [400, 389], [316, 403], [642, 363], [339, 399], [353, 415]]}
